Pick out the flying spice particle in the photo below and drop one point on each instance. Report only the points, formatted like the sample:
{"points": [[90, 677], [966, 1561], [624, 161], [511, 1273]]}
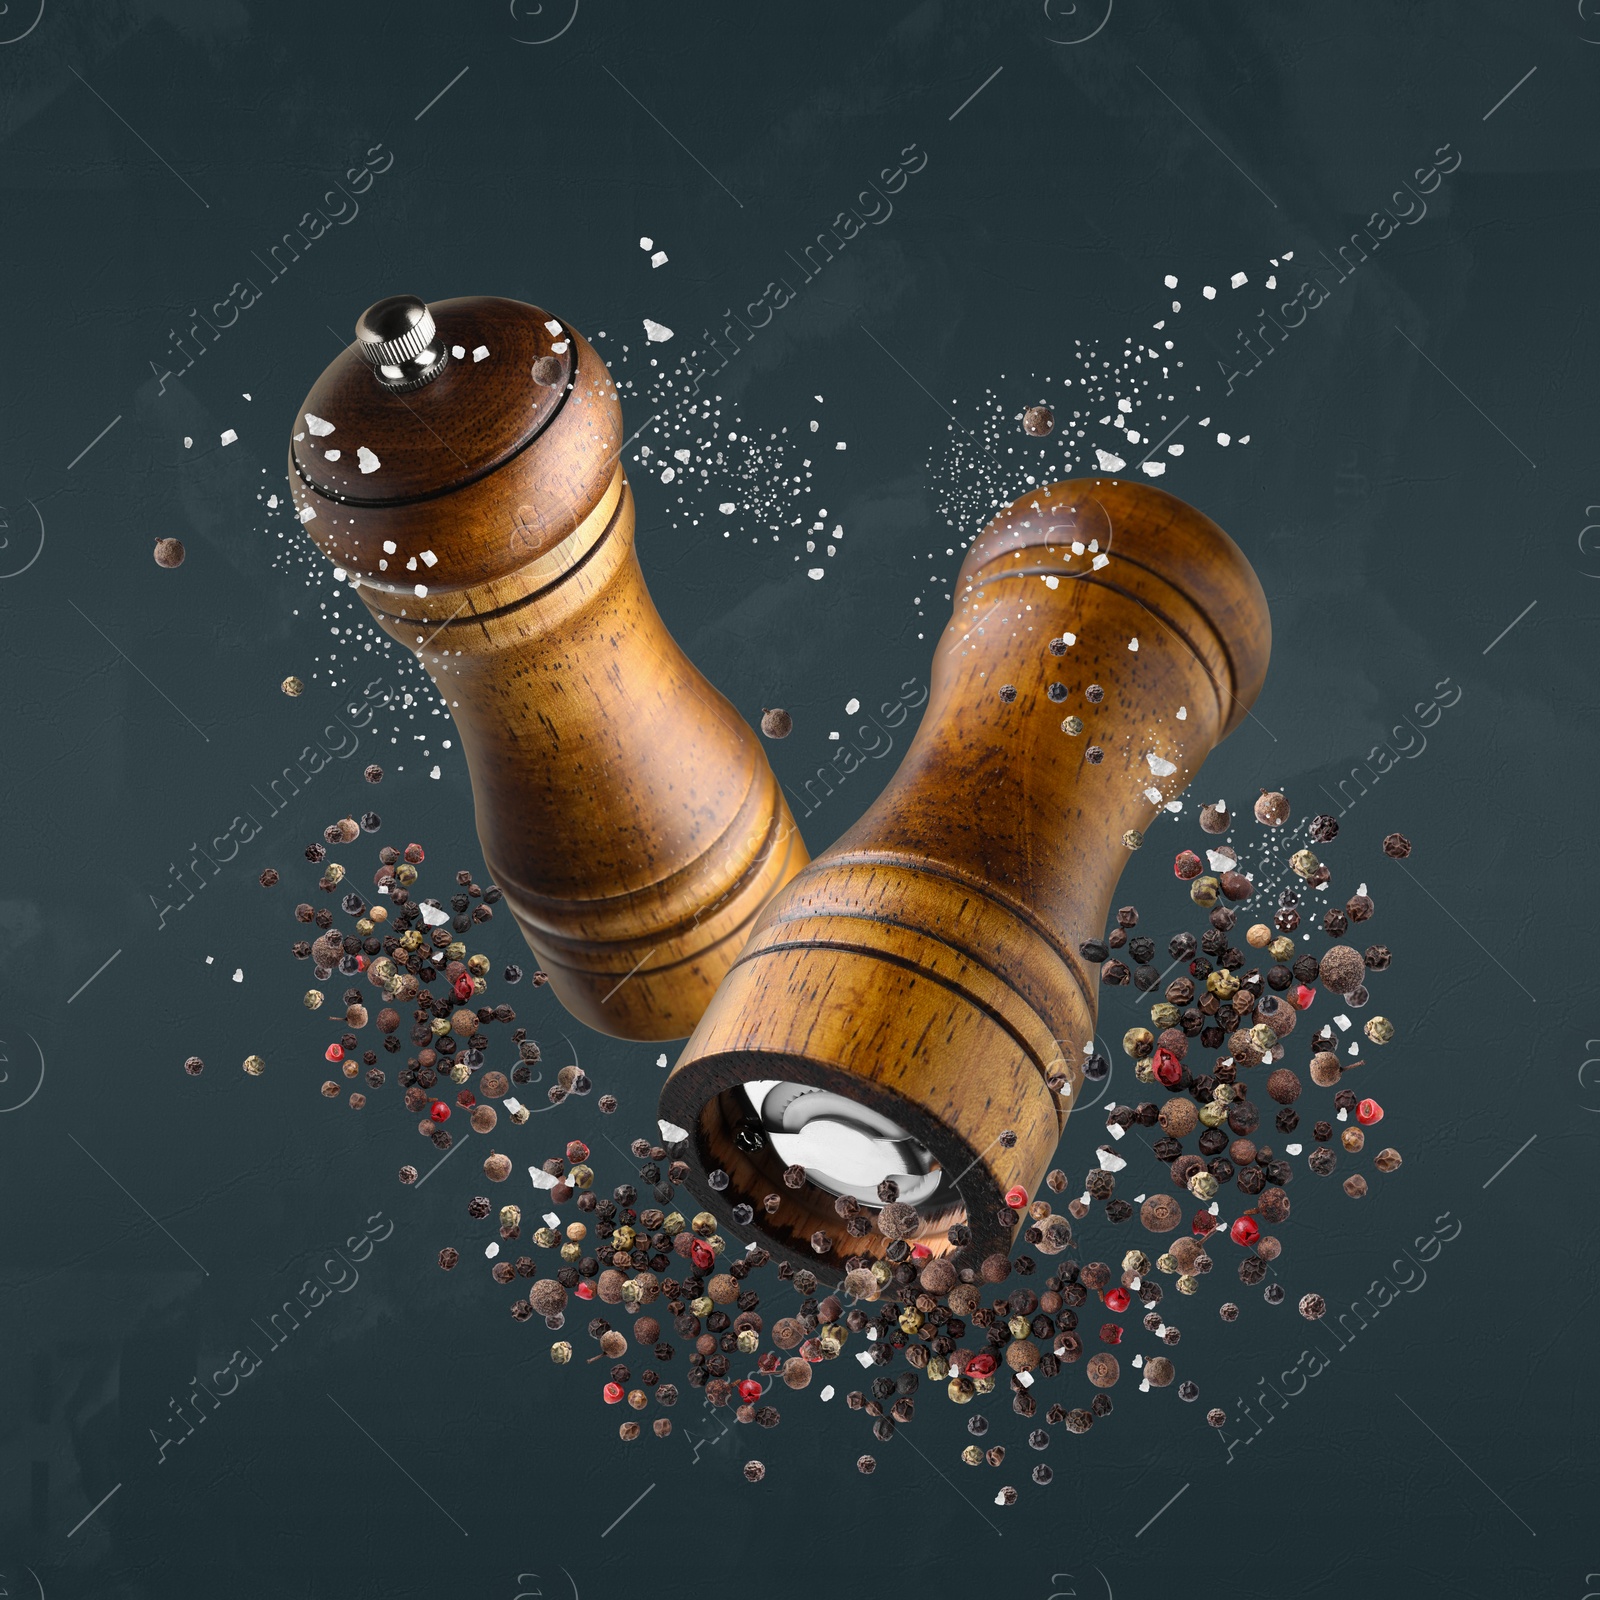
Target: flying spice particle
{"points": [[776, 723], [292, 686], [169, 552]]}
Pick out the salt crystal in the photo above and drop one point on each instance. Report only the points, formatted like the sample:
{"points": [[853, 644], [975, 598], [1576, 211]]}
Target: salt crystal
{"points": [[1138, 1361], [681, 455], [727, 508], [1170, 281], [1344, 1116], [840, 445], [238, 974], [247, 396], [1069, 638], [647, 243], [1101, 560], [480, 353], [229, 436], [1109, 1159], [318, 427], [307, 513], [1000, 1499], [1294, 1149], [1174, 449], [389, 547], [492, 1249], [1139, 1199], [433, 916], [1077, 547], [814, 572], [1212, 1208], [670, 1131], [543, 1179], [1109, 462], [661, 1060], [1354, 1046], [1209, 292], [1133, 644], [1342, 1023], [1144, 1386], [420, 590], [656, 332], [865, 1356], [1272, 282], [338, 574], [851, 707], [1025, 1379], [552, 326], [1153, 796], [833, 735], [1223, 440], [1238, 280], [210, 959], [272, 502], [1174, 806], [428, 558], [188, 443], [1161, 768], [552, 1219], [513, 1105], [1117, 1132], [1222, 860], [827, 1394], [1124, 406], [1052, 582], [367, 460], [659, 259], [435, 772], [561, 346], [1361, 888], [1183, 713], [1084, 1198], [458, 351], [1152, 469], [1288, 255]]}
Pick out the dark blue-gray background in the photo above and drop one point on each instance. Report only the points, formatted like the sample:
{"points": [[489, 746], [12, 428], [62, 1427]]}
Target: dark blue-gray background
{"points": [[1418, 477]]}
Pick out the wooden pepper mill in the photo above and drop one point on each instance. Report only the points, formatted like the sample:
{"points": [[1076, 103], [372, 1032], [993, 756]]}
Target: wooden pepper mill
{"points": [[914, 1004], [460, 464]]}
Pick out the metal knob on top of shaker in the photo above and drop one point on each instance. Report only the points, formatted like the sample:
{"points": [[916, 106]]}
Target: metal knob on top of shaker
{"points": [[461, 463], [914, 1004]]}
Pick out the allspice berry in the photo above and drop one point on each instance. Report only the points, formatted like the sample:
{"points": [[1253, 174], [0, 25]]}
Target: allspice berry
{"points": [[1161, 1213], [1325, 1069], [483, 1119], [796, 1372], [1158, 1372], [1284, 1086], [1341, 969], [170, 552], [1272, 809], [898, 1220], [1102, 1370], [496, 1167], [1038, 421], [776, 723], [1217, 818]]}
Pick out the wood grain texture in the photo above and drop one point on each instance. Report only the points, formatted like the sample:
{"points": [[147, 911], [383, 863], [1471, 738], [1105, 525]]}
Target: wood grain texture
{"points": [[623, 805], [927, 964]]}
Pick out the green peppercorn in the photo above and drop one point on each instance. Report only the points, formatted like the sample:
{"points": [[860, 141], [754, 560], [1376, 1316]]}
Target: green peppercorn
{"points": [[1213, 1114], [561, 1352], [1304, 863], [255, 1066], [1144, 1072], [1133, 838], [1203, 1186], [1188, 1285], [1073, 725], [1380, 1030], [1263, 1037], [973, 1454], [1165, 1015], [1204, 892]]}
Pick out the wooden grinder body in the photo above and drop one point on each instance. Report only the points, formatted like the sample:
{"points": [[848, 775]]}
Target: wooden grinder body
{"points": [[927, 965], [624, 807]]}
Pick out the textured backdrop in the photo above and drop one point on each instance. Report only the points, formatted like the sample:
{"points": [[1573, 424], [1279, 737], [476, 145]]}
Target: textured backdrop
{"points": [[1408, 465]]}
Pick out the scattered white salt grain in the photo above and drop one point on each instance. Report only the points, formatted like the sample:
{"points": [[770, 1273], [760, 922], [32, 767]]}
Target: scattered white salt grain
{"points": [[814, 572], [367, 461], [1244, 438], [411, 565], [247, 396], [1133, 645], [429, 558], [1052, 582], [656, 332], [1209, 292], [1183, 713], [1101, 560], [1153, 469], [272, 502], [560, 346], [1161, 767], [1125, 406], [492, 1249], [1344, 1116], [319, 428], [188, 443], [1069, 639], [670, 1131], [339, 574], [668, 474], [480, 352], [1110, 1161], [840, 445], [1138, 1361], [434, 774], [833, 735], [1077, 547], [1109, 462], [552, 326], [1174, 449], [1354, 1046], [229, 436], [552, 1219], [851, 706], [726, 508], [827, 1393], [1222, 860], [1170, 281], [210, 959], [1342, 1023], [333, 455], [1153, 796], [1239, 280], [1117, 1132], [1212, 1208], [659, 259], [238, 974], [1224, 440], [647, 243], [433, 916], [458, 351], [1025, 1379], [661, 1060], [1294, 1149], [1288, 255], [865, 1356], [307, 513], [513, 1105], [1272, 282], [543, 1179]]}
